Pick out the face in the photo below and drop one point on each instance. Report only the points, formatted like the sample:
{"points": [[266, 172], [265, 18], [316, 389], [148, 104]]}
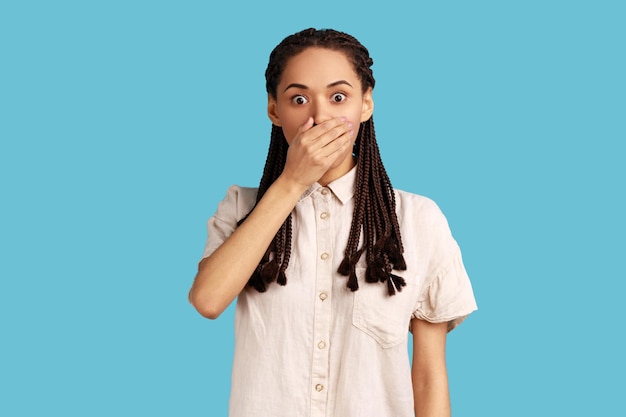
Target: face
{"points": [[322, 84]]}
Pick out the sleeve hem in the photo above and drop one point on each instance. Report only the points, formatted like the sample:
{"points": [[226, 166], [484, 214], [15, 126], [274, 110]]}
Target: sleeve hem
{"points": [[453, 320]]}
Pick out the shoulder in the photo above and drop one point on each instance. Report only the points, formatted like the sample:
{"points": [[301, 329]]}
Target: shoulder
{"points": [[238, 202], [417, 206], [240, 193], [423, 223]]}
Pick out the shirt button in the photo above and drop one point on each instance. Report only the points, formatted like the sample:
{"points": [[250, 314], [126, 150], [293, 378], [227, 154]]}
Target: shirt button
{"points": [[324, 191], [324, 256], [321, 344], [324, 215], [323, 296], [319, 387]]}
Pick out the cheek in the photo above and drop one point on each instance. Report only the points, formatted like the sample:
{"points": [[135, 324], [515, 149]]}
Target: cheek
{"points": [[354, 115], [291, 124], [290, 132]]}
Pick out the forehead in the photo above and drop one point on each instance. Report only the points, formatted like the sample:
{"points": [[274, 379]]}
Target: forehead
{"points": [[319, 65]]}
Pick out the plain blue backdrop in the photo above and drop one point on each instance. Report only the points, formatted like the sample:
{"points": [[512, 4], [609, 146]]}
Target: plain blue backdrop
{"points": [[123, 123]]}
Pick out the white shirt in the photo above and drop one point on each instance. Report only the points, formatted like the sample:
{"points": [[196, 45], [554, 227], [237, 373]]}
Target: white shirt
{"points": [[314, 348]]}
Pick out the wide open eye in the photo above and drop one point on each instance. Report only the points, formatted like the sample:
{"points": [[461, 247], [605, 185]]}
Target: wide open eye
{"points": [[338, 97], [299, 99]]}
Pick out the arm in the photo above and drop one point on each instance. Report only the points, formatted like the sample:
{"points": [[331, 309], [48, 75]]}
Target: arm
{"points": [[430, 378], [223, 274]]}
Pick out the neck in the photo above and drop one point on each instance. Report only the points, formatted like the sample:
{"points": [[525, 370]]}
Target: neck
{"points": [[333, 173]]}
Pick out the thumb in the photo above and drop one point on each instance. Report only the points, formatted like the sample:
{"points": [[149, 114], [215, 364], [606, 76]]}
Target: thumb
{"points": [[307, 125]]}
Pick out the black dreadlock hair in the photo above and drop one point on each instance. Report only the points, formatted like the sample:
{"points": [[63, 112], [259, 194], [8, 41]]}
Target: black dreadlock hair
{"points": [[374, 215]]}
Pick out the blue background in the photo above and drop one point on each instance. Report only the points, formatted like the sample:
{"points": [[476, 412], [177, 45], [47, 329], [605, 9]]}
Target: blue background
{"points": [[123, 123]]}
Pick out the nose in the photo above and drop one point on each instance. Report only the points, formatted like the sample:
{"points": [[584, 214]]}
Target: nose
{"points": [[320, 112]]}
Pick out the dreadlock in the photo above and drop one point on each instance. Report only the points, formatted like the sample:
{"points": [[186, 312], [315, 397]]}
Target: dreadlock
{"points": [[374, 216]]}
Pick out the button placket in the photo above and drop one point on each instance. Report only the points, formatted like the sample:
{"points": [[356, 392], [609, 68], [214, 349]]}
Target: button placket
{"points": [[322, 317]]}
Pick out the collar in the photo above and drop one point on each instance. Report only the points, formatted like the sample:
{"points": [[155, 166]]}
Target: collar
{"points": [[342, 187]]}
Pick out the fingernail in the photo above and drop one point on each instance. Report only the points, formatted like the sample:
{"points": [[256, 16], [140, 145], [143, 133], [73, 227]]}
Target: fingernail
{"points": [[350, 124], [343, 119]]}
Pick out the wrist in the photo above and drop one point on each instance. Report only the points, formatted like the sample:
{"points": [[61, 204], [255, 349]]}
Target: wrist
{"points": [[289, 187]]}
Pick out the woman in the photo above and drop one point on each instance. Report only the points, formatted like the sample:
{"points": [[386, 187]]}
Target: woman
{"points": [[357, 263]]}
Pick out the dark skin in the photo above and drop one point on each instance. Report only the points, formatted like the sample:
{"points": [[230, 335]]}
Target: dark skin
{"points": [[319, 103]]}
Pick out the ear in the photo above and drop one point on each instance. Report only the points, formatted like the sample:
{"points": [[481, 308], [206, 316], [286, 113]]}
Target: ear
{"points": [[368, 105], [272, 112]]}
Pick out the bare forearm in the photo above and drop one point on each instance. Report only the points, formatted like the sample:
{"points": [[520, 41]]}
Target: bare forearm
{"points": [[429, 373], [223, 275], [311, 153], [432, 397]]}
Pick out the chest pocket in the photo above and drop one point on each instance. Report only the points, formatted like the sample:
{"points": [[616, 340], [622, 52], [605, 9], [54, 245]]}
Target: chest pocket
{"points": [[384, 318]]}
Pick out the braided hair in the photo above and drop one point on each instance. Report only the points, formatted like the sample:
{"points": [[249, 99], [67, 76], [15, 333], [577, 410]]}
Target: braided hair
{"points": [[374, 219]]}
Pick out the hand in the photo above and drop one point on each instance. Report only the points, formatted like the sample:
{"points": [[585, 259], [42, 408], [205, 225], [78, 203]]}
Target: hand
{"points": [[315, 149]]}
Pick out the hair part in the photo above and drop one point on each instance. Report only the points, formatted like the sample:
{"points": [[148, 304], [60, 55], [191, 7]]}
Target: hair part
{"points": [[374, 229], [324, 38]]}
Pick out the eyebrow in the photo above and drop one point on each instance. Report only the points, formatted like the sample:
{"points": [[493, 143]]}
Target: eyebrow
{"points": [[304, 87]]}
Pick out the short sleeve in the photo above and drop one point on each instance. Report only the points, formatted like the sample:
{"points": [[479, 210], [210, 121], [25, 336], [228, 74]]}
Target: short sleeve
{"points": [[234, 207], [446, 293], [447, 296]]}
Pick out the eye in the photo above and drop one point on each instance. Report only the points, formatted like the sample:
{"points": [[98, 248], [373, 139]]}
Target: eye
{"points": [[338, 97], [299, 99]]}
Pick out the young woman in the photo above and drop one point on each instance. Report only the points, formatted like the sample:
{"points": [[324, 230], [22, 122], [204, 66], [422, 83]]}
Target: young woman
{"points": [[331, 266]]}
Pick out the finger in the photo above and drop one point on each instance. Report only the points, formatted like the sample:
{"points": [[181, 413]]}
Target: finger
{"points": [[305, 127], [316, 131], [329, 126], [338, 132], [328, 132], [337, 145]]}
